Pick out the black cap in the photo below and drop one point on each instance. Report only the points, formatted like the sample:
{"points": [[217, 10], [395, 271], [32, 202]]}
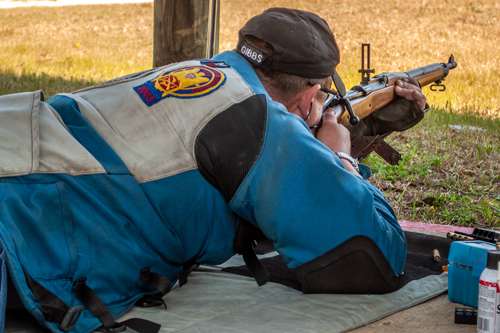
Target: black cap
{"points": [[303, 44], [493, 259]]}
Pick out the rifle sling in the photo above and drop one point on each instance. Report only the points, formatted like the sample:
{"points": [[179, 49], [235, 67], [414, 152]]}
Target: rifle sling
{"points": [[389, 154], [364, 145]]}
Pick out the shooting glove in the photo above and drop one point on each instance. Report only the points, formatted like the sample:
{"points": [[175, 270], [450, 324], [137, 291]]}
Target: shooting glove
{"points": [[399, 115], [368, 135]]}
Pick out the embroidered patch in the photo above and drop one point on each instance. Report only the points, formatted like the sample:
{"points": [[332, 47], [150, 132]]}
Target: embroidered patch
{"points": [[216, 64], [184, 82]]}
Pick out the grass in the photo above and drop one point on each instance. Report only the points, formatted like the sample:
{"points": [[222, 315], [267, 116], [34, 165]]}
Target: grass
{"points": [[407, 34], [46, 46], [448, 176]]}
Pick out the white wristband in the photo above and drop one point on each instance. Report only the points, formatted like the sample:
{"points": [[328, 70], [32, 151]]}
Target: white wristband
{"points": [[351, 160]]}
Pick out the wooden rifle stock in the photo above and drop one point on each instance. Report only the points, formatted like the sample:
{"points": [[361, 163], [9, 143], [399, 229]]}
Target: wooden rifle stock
{"points": [[366, 98]]}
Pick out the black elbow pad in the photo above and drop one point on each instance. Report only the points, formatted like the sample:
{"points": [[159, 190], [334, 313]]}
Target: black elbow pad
{"points": [[357, 266]]}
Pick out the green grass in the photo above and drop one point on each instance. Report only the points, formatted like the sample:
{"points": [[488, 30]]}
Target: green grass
{"points": [[446, 175]]}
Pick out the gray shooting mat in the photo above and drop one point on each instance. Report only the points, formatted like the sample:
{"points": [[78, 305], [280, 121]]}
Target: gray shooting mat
{"points": [[224, 302], [217, 301]]}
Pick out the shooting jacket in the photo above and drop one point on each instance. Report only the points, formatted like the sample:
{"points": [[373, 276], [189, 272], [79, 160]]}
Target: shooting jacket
{"points": [[158, 168]]}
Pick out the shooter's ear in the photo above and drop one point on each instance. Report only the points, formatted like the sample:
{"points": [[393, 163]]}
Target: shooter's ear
{"points": [[305, 102]]}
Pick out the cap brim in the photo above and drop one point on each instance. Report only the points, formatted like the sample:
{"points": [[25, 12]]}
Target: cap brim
{"points": [[339, 85]]}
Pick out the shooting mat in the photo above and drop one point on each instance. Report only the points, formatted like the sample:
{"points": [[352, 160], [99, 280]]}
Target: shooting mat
{"points": [[218, 301]]}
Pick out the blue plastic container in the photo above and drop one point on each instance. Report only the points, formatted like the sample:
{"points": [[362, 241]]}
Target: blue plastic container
{"points": [[467, 260]]}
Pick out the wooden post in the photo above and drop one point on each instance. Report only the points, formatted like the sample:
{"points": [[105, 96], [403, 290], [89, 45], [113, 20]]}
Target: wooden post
{"points": [[180, 30], [213, 28]]}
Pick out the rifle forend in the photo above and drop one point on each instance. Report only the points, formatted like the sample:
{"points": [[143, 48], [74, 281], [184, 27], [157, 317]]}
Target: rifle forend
{"points": [[366, 98]]}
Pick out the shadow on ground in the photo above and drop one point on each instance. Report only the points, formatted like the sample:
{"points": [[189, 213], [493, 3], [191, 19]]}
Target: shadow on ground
{"points": [[11, 83]]}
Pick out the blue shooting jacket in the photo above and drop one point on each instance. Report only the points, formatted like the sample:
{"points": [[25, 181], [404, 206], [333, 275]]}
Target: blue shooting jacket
{"points": [[122, 176]]}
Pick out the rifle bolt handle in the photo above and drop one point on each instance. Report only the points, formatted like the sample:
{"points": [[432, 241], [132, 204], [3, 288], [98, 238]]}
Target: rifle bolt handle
{"points": [[354, 120]]}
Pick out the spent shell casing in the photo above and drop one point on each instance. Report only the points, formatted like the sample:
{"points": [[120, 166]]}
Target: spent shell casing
{"points": [[436, 255]]}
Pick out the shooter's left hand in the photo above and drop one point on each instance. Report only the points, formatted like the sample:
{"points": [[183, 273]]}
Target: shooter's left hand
{"points": [[410, 90]]}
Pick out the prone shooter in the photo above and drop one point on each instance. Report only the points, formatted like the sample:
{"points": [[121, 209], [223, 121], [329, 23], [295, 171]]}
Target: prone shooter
{"points": [[112, 194]]}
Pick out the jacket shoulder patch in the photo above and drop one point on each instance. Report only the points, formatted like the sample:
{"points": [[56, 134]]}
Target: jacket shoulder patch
{"points": [[183, 82]]}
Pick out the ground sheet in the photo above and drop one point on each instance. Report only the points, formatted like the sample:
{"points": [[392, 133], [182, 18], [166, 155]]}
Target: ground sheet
{"points": [[219, 301]]}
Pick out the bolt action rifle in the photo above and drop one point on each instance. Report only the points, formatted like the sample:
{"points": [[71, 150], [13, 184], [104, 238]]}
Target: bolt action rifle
{"points": [[374, 93]]}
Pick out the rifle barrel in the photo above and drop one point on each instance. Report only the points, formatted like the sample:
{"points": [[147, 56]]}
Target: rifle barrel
{"points": [[366, 98], [427, 74]]}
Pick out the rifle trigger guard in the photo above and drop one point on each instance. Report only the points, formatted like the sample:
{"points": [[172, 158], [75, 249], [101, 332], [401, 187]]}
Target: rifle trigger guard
{"points": [[353, 119]]}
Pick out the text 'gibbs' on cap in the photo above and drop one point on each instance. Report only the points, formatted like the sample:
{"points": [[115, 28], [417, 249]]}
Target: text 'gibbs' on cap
{"points": [[303, 43]]}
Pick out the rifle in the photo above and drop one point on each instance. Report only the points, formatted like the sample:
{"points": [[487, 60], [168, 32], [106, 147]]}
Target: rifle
{"points": [[376, 92]]}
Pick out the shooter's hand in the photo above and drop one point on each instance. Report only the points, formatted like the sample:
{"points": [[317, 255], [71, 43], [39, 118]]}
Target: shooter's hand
{"points": [[410, 90], [336, 137]]}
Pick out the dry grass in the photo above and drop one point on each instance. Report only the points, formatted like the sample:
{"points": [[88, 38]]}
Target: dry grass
{"points": [[79, 44], [448, 176], [117, 39], [406, 34]]}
